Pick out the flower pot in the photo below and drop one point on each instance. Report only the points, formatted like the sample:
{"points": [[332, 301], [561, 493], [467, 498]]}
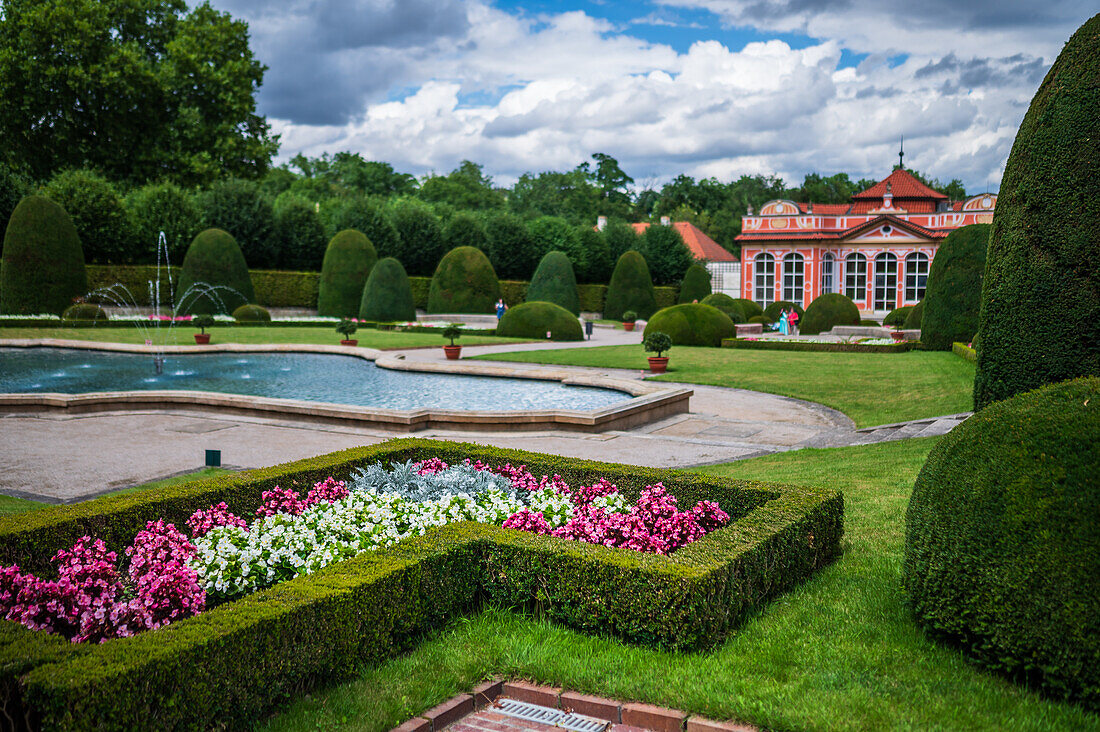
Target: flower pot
{"points": [[628, 326], [349, 342], [658, 364], [452, 352], [898, 336], [202, 338]]}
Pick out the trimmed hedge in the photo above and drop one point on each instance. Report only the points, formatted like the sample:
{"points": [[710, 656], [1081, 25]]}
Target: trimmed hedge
{"points": [[728, 305], [251, 314], [772, 345], [1040, 314], [914, 317], [387, 296], [692, 324], [237, 661], [630, 289], [761, 319], [964, 351], [695, 285], [554, 282], [772, 311], [897, 315], [85, 311], [591, 297], [827, 311], [213, 260], [464, 282], [1002, 545], [43, 266], [534, 319], [347, 264], [953, 296], [749, 307]]}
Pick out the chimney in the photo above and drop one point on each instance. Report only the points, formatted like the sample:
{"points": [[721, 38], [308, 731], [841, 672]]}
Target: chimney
{"points": [[887, 198], [666, 221], [601, 223], [749, 211]]}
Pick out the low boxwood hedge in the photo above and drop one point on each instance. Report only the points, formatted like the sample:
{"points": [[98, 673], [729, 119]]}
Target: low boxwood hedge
{"points": [[238, 660], [771, 345], [964, 351]]}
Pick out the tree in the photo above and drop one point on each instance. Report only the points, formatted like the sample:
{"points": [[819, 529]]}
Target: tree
{"points": [[162, 207], [465, 230], [551, 233], [105, 228], [420, 234], [365, 214], [300, 238], [665, 253], [620, 238], [465, 187], [348, 172], [511, 249], [571, 196], [240, 208], [13, 187], [137, 89], [598, 261]]}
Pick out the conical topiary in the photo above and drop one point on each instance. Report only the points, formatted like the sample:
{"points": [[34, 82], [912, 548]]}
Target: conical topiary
{"points": [[387, 296], [695, 285], [347, 264], [214, 277], [630, 289], [954, 293], [464, 282], [1040, 314], [43, 266], [554, 282]]}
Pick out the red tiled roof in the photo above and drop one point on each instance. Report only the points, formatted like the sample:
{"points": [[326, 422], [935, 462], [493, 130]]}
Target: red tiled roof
{"points": [[902, 185], [699, 244]]}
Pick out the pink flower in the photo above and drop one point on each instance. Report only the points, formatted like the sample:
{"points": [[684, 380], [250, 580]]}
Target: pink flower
{"points": [[431, 466], [328, 490], [526, 520], [202, 521], [281, 500]]}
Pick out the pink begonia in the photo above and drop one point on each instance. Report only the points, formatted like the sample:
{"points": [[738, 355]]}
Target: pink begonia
{"points": [[528, 520], [281, 500], [583, 495], [203, 520], [156, 545], [328, 491], [521, 478], [431, 466]]}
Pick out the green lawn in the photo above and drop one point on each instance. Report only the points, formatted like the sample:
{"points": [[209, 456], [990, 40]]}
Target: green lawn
{"points": [[871, 388], [10, 504], [839, 652], [369, 338]]}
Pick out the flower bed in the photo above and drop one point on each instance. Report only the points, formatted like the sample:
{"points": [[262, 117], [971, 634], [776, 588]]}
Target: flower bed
{"points": [[871, 345], [235, 660]]}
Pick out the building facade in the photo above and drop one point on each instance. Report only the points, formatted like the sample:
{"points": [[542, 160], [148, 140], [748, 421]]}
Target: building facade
{"points": [[724, 267], [876, 249]]}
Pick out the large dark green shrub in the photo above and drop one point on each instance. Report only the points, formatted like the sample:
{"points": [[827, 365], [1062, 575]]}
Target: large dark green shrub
{"points": [[953, 296], [630, 289], [535, 319], [737, 309], [348, 262], [913, 317], [214, 277], [826, 311], [251, 314], [761, 320], [897, 316], [598, 261], [1040, 315], [365, 214], [554, 282], [387, 296], [665, 253], [696, 285], [465, 229], [553, 233], [692, 324], [104, 226], [420, 233], [13, 187], [511, 249], [1002, 542], [772, 311], [749, 307], [621, 238], [43, 262], [464, 282], [85, 311], [161, 207], [299, 236], [241, 209]]}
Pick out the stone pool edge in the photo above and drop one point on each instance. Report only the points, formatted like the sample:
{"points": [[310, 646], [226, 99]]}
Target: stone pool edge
{"points": [[650, 401]]}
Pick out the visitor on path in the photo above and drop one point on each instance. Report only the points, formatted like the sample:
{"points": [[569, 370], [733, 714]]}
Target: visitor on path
{"points": [[783, 322], [792, 322], [501, 307]]}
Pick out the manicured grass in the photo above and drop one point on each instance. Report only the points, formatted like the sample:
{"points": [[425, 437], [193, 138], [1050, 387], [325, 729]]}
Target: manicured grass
{"points": [[10, 504], [181, 336], [871, 388], [840, 652]]}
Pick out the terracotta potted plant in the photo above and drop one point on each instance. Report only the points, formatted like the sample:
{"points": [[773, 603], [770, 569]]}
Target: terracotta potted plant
{"points": [[202, 322], [629, 317], [897, 334], [659, 343], [451, 332], [347, 328]]}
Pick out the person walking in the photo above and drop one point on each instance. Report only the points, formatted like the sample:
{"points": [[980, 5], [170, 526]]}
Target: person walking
{"points": [[501, 307], [783, 321], [792, 321]]}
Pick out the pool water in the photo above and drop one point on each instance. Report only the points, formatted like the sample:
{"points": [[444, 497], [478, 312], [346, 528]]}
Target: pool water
{"points": [[304, 376]]}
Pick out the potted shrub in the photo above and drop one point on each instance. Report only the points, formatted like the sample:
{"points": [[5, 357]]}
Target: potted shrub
{"points": [[897, 334], [202, 322], [659, 343], [347, 328], [452, 331], [629, 317]]}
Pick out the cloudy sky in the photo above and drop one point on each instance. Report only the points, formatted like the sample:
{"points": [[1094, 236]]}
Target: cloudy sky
{"points": [[704, 87]]}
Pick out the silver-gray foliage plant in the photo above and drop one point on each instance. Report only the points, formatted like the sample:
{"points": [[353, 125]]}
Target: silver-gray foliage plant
{"points": [[403, 480]]}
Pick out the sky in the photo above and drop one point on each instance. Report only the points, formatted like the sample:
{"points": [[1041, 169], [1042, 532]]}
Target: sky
{"points": [[719, 88]]}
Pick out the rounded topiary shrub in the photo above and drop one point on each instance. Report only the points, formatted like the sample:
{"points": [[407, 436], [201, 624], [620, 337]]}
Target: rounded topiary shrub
{"points": [[630, 288], [554, 282], [1002, 545], [464, 282], [913, 317], [85, 311], [695, 285], [827, 311], [772, 311], [344, 271], [43, 268], [214, 277], [1042, 256], [761, 319], [692, 324], [896, 317], [953, 297], [728, 305], [749, 307], [534, 319], [251, 314], [387, 297], [869, 323]]}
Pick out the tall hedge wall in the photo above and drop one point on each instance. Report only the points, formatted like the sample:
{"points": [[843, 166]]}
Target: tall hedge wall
{"points": [[43, 266], [1040, 314], [953, 297]]}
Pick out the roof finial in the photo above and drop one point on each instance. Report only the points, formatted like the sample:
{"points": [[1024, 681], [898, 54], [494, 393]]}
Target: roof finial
{"points": [[901, 153]]}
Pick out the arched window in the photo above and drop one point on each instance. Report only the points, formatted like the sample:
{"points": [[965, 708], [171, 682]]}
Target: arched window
{"points": [[764, 284], [855, 277], [826, 272], [793, 278], [886, 281], [916, 276]]}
